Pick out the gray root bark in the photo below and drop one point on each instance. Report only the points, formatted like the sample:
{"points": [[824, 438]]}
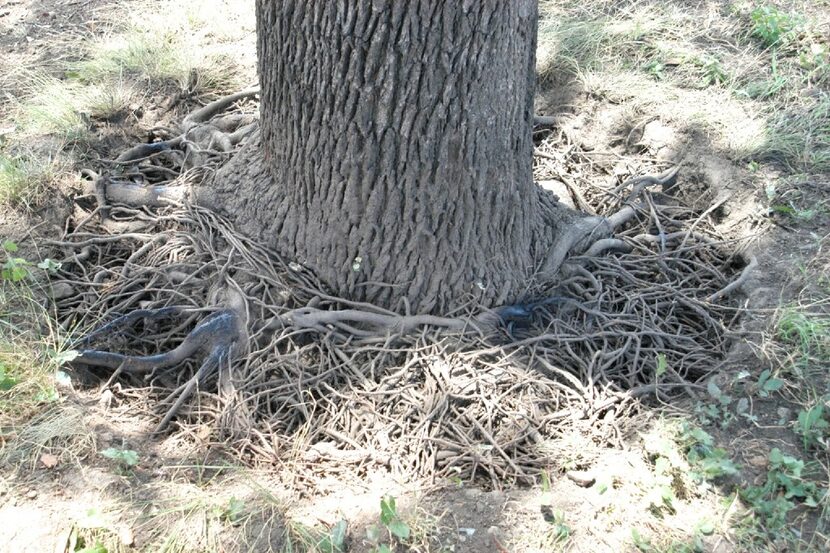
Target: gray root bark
{"points": [[395, 151]]}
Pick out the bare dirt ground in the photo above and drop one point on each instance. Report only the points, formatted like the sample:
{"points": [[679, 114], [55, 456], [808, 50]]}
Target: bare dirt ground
{"points": [[740, 464]]}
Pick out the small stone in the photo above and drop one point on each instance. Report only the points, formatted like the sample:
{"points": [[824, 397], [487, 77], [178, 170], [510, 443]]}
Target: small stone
{"points": [[581, 478], [560, 189], [61, 290], [125, 534], [657, 135], [668, 154], [48, 460], [758, 461], [472, 493], [31, 494]]}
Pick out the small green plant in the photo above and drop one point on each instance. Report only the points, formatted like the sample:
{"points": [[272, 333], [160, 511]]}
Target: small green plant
{"points": [[662, 365], [14, 269], [784, 484], [301, 538], [766, 88], [766, 384], [662, 496], [809, 332], [561, 531], [640, 542], [717, 412], [655, 69], [97, 548], [813, 426], [13, 179], [392, 522], [773, 26], [7, 382], [816, 60], [232, 511], [127, 459], [708, 462], [713, 72]]}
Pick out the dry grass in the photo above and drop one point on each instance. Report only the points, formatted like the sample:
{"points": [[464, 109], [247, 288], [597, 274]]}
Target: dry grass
{"points": [[27, 178], [176, 43], [59, 431], [233, 513], [702, 67]]}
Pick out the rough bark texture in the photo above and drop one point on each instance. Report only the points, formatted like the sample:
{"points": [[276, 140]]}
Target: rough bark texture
{"points": [[395, 150]]}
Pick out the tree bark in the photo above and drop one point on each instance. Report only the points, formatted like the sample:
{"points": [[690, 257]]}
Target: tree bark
{"points": [[395, 151]]}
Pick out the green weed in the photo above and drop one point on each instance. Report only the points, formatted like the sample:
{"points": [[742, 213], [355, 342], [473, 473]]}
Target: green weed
{"points": [[719, 410], [560, 531], [170, 48], [233, 511], [55, 107], [126, 459], [655, 69], [305, 539], [713, 71], [773, 26], [695, 545], [808, 333], [708, 462], [784, 486], [395, 528], [32, 344], [767, 384], [813, 425]]}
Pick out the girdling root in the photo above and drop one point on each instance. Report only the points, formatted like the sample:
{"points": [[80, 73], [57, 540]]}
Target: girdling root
{"points": [[218, 329]]}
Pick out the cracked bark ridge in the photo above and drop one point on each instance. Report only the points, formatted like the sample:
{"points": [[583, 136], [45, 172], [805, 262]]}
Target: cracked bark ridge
{"points": [[395, 150]]}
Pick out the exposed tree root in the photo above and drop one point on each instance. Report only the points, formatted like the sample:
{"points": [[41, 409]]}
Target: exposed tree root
{"points": [[288, 372]]}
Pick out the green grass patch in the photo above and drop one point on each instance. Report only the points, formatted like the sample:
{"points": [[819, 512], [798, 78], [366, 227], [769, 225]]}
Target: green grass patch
{"points": [[569, 46], [808, 333], [32, 344], [25, 179], [784, 488], [14, 179], [54, 107], [773, 26], [799, 136]]}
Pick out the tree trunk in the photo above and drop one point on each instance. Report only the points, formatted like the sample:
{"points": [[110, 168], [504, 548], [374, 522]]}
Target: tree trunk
{"points": [[395, 151]]}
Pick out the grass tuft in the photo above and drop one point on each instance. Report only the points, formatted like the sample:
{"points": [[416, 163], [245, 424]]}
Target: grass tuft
{"points": [[800, 136], [52, 106], [25, 179], [170, 46], [808, 332]]}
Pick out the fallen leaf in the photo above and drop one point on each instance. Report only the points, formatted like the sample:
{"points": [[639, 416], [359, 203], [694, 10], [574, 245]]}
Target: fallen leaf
{"points": [[48, 460]]}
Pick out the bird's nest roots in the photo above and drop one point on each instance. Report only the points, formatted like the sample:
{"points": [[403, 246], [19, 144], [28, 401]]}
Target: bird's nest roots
{"points": [[220, 330]]}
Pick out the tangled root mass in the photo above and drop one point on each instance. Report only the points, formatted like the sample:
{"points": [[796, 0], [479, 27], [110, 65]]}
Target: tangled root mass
{"points": [[218, 329]]}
